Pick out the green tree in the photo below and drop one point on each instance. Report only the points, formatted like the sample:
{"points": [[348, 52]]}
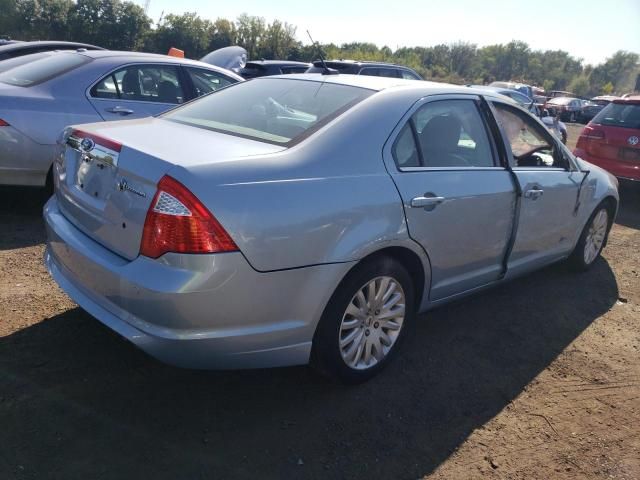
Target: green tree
{"points": [[8, 18], [278, 40], [187, 32], [250, 31], [580, 86], [620, 70], [224, 34], [109, 23]]}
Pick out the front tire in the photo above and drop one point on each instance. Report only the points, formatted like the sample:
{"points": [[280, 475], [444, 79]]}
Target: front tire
{"points": [[592, 240], [365, 322]]}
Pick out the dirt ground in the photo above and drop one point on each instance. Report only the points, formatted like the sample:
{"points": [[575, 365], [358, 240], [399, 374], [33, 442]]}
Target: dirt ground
{"points": [[539, 378]]}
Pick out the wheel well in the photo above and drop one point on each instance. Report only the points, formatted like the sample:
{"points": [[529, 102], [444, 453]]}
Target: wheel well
{"points": [[611, 205], [409, 260]]}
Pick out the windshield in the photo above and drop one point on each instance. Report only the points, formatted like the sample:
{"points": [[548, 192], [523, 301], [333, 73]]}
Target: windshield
{"points": [[42, 69], [625, 115], [274, 110]]}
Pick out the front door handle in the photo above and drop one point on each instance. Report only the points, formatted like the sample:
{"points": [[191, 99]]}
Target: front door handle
{"points": [[534, 193], [120, 110], [426, 201]]}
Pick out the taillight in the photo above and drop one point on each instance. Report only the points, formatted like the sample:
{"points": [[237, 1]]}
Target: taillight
{"points": [[592, 133], [3, 123], [178, 222]]}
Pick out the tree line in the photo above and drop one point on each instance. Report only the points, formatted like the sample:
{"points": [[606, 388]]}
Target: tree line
{"points": [[122, 25]]}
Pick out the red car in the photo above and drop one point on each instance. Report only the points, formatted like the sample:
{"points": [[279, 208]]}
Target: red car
{"points": [[612, 139]]}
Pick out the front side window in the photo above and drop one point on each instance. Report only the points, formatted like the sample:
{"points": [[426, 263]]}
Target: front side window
{"points": [[444, 133], [274, 110], [207, 81], [145, 83], [531, 145], [44, 69]]}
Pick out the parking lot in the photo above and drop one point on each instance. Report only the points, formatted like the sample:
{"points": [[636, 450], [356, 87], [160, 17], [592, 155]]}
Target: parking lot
{"points": [[539, 378]]}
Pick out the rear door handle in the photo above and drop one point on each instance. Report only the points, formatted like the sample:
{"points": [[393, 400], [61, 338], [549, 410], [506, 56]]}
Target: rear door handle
{"points": [[534, 193], [120, 110], [422, 202]]}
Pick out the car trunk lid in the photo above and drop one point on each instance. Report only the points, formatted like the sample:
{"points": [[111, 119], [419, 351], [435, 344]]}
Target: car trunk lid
{"points": [[108, 172]]}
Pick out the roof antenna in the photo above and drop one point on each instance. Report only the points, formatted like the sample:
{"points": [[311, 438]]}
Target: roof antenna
{"points": [[325, 70]]}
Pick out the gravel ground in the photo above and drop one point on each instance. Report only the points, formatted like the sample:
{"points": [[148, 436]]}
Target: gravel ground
{"points": [[539, 378]]}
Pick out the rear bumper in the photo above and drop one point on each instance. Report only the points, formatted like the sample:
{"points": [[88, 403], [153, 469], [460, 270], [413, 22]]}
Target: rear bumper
{"points": [[620, 169], [194, 311]]}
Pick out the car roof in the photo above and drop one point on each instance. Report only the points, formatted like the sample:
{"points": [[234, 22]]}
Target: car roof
{"points": [[44, 43], [633, 100], [369, 63], [152, 57]]}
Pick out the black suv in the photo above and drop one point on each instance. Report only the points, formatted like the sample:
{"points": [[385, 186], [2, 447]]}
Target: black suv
{"points": [[263, 68], [376, 69]]}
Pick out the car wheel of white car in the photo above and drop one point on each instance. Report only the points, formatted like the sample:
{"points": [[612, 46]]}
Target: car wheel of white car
{"points": [[365, 321], [592, 240]]}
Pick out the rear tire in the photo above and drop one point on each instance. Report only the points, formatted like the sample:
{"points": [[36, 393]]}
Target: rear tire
{"points": [[592, 240], [365, 322]]}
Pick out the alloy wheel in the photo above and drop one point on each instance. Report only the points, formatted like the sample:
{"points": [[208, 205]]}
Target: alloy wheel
{"points": [[595, 236], [372, 322]]}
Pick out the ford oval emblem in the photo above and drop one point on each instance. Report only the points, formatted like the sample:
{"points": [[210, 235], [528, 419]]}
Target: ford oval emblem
{"points": [[633, 140], [87, 144]]}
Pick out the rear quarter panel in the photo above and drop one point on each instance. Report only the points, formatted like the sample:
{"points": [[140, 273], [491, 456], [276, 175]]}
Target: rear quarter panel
{"points": [[328, 199]]}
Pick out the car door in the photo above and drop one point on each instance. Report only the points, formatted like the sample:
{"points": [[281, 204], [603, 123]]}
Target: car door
{"points": [[137, 91], [549, 182], [459, 200]]}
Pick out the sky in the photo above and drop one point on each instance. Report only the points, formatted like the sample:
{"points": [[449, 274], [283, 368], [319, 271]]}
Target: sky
{"points": [[589, 29]]}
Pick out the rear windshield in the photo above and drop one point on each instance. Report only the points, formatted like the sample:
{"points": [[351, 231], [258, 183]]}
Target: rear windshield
{"points": [[274, 110], [17, 61], [43, 69], [625, 115]]}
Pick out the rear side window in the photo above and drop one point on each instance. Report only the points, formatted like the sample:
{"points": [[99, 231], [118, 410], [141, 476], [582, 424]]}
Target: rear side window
{"points": [[444, 133], [289, 70], [626, 115], [44, 69], [207, 81], [406, 74], [380, 72]]}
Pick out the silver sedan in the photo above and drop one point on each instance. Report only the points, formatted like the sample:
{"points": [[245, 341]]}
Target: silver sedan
{"points": [[308, 219], [40, 94]]}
